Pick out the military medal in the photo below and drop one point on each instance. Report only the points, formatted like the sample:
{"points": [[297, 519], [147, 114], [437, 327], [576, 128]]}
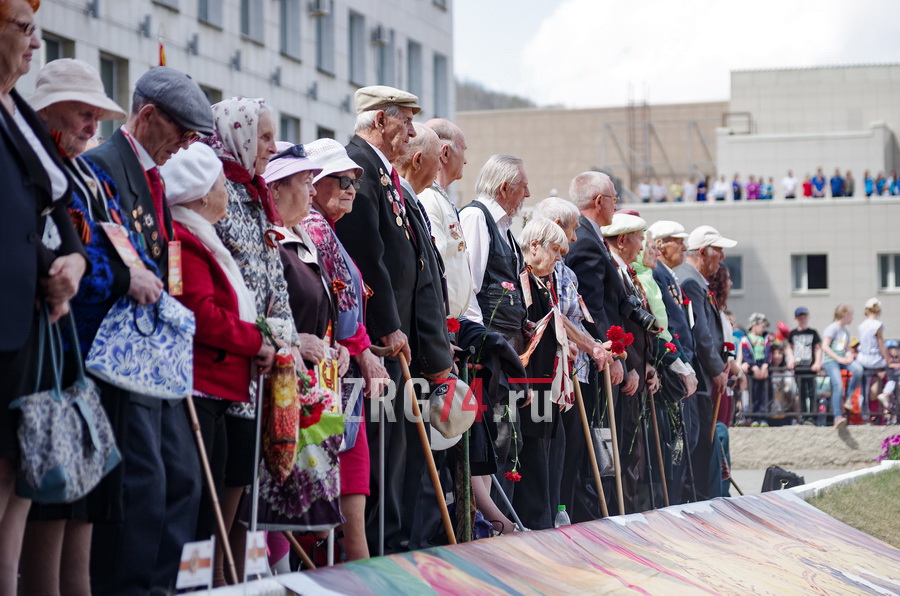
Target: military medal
{"points": [[385, 180], [399, 221]]}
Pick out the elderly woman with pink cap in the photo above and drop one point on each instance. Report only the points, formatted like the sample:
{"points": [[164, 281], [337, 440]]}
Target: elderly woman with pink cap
{"points": [[227, 339], [70, 99]]}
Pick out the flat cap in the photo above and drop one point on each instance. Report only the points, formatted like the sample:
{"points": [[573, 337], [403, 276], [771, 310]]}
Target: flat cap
{"points": [[703, 236], [378, 97], [179, 95], [624, 223], [665, 228]]}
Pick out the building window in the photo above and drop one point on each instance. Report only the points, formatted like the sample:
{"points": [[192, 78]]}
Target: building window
{"points": [[289, 129], [289, 28], [357, 48], [56, 47], [441, 86], [735, 264], [325, 39], [414, 67], [324, 133], [210, 12], [889, 271], [384, 42], [252, 19], [167, 3], [810, 272], [212, 95], [114, 74]]}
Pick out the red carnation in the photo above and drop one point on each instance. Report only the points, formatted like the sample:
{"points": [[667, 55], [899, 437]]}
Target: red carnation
{"points": [[676, 336], [615, 333], [513, 476], [311, 415], [670, 347], [687, 301], [729, 347], [617, 347], [452, 325]]}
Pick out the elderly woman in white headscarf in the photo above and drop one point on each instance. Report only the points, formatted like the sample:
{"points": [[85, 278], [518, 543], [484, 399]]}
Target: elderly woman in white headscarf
{"points": [[227, 339]]}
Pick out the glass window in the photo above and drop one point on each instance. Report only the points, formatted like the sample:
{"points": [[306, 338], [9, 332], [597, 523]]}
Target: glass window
{"points": [[889, 271], [210, 12], [289, 28], [357, 48], [735, 264], [289, 129], [324, 133], [55, 47], [114, 74], [414, 67], [325, 40], [441, 86], [386, 73], [252, 19], [809, 272]]}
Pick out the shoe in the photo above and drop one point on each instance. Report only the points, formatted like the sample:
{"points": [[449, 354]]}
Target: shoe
{"points": [[848, 405], [808, 423], [755, 424], [764, 424], [840, 422], [885, 401]]}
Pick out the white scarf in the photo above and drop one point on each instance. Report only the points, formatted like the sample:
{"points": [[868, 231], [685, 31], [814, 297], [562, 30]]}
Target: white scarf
{"points": [[207, 236]]}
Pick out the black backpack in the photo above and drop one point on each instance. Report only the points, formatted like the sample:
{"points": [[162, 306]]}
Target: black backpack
{"points": [[777, 478]]}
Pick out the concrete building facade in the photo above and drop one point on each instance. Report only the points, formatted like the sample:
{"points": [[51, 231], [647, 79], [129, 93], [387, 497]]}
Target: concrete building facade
{"points": [[305, 57]]}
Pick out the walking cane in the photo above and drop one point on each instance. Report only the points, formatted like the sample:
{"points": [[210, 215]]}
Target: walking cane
{"points": [[426, 447], [210, 486], [297, 548], [646, 433], [617, 463], [686, 451], [254, 507], [712, 432], [659, 456], [506, 502], [592, 455]]}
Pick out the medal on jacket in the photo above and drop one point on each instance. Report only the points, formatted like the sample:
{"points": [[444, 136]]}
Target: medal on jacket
{"points": [[385, 179]]}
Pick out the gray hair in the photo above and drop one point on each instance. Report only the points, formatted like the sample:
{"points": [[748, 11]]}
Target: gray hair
{"points": [[555, 208], [445, 130], [366, 120], [543, 231], [498, 169], [695, 252], [423, 139], [586, 186]]}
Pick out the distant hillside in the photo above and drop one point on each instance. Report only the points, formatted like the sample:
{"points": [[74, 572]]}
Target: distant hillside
{"points": [[475, 96]]}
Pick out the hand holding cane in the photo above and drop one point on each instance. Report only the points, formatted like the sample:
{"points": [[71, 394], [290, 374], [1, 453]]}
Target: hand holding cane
{"points": [[426, 447], [615, 440], [592, 455]]}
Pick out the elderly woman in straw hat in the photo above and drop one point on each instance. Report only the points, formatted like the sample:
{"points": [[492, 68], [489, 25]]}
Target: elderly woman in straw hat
{"points": [[70, 99]]}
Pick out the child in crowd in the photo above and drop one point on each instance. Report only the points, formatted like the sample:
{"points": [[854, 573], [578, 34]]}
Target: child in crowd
{"points": [[784, 389], [803, 351], [757, 354]]}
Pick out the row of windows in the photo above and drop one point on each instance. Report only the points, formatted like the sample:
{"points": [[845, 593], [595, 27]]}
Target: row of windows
{"points": [[810, 272]]}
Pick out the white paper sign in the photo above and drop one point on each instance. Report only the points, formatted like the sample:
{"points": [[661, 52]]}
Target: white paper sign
{"points": [[196, 568], [256, 562]]}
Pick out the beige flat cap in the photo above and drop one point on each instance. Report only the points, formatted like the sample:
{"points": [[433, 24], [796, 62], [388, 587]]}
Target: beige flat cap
{"points": [[378, 97]]}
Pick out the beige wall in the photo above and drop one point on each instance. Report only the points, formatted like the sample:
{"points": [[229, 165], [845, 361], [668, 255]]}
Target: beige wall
{"points": [[852, 232], [558, 144]]}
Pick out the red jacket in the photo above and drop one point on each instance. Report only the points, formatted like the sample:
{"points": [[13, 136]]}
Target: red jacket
{"points": [[224, 344]]}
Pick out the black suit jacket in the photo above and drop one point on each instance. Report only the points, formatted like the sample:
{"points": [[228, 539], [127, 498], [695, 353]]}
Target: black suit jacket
{"points": [[27, 202], [708, 335], [395, 267], [678, 320], [117, 158]]}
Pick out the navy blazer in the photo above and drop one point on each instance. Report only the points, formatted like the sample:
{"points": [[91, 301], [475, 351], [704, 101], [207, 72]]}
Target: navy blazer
{"points": [[27, 202], [678, 320], [708, 336]]}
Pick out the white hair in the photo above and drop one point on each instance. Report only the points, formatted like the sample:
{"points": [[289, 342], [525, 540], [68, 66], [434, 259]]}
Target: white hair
{"points": [[421, 142], [446, 131], [555, 208], [543, 231], [497, 170], [693, 252], [586, 186], [366, 120]]}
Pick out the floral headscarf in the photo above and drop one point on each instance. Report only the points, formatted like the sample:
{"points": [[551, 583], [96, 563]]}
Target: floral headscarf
{"points": [[235, 141]]}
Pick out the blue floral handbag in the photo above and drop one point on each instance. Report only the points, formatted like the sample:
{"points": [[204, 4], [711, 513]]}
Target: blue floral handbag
{"points": [[66, 442], [147, 350]]}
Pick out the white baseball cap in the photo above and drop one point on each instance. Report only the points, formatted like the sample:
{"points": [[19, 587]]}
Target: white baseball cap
{"points": [[704, 236], [623, 223], [667, 229]]}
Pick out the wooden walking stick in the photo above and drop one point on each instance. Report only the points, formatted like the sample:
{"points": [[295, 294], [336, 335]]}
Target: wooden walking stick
{"points": [[617, 463], [712, 432], [592, 455], [659, 456], [211, 488], [426, 447], [298, 548]]}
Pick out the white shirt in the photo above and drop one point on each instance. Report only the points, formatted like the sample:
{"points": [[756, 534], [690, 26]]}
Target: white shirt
{"points": [[789, 185], [720, 188], [143, 155], [644, 190], [450, 242], [478, 243]]}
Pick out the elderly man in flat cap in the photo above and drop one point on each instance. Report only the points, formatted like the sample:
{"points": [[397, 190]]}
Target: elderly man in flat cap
{"points": [[160, 493], [387, 237], [704, 253]]}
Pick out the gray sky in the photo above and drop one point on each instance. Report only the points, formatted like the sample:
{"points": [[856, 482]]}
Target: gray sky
{"points": [[584, 53]]}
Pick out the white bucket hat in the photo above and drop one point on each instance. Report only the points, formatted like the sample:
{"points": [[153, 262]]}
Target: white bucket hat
{"points": [[68, 79], [331, 157]]}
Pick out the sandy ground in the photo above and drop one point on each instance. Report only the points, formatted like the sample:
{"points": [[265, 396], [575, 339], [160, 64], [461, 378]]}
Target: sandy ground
{"points": [[807, 447]]}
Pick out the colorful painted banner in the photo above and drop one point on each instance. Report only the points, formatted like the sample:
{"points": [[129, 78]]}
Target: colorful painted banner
{"points": [[772, 543]]}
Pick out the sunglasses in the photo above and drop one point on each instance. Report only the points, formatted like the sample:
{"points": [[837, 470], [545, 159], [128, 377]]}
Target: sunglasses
{"points": [[298, 151], [346, 181], [27, 29], [188, 136]]}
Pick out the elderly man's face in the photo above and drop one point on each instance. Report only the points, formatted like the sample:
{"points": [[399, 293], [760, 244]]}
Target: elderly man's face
{"points": [[456, 157], [629, 245], [606, 204], [396, 133], [512, 194], [711, 257], [671, 251]]}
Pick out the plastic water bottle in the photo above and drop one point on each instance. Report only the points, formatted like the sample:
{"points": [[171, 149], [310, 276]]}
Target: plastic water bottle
{"points": [[562, 518]]}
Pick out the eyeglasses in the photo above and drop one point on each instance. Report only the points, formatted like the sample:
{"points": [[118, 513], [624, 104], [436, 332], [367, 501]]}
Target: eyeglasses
{"points": [[347, 181], [614, 198], [27, 29], [187, 136], [298, 151]]}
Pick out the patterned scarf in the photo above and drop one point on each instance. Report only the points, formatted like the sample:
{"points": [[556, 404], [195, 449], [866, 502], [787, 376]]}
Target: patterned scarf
{"points": [[332, 259], [235, 142]]}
